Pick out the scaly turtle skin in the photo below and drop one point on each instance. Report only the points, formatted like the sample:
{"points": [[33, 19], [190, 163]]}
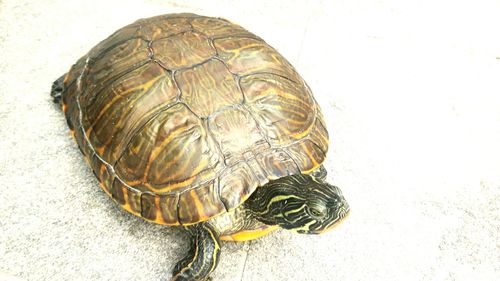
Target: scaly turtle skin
{"points": [[193, 121]]}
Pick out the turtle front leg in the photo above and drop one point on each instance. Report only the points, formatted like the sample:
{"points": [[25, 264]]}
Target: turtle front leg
{"points": [[203, 255]]}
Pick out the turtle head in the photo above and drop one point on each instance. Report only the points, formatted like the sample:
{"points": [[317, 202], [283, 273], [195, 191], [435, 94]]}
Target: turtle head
{"points": [[299, 203]]}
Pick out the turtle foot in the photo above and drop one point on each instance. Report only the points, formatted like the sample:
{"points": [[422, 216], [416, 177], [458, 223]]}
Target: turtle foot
{"points": [[57, 89]]}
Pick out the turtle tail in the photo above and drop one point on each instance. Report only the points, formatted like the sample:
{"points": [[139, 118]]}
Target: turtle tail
{"points": [[57, 90]]}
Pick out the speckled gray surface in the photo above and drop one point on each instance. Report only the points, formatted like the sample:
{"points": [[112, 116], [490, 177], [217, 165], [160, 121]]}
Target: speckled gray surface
{"points": [[411, 96]]}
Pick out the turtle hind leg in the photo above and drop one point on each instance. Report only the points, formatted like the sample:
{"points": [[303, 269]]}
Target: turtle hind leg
{"points": [[203, 255], [57, 89]]}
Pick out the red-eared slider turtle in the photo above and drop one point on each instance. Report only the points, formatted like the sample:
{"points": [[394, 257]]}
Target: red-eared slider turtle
{"points": [[193, 121]]}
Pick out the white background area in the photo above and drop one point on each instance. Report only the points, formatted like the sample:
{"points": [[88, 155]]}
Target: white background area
{"points": [[411, 95]]}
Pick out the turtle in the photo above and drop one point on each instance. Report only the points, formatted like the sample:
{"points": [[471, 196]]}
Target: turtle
{"points": [[194, 122]]}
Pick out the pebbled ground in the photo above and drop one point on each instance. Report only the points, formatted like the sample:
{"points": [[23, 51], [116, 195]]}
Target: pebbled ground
{"points": [[410, 93]]}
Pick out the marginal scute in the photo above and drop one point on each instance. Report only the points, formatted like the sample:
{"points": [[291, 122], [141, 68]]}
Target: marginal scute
{"points": [[160, 208], [101, 172], [236, 132], [83, 144], [168, 206], [118, 192], [134, 200], [182, 51], [284, 109], [319, 135], [199, 204], [70, 106], [73, 114], [106, 179], [149, 209], [96, 164], [208, 87], [128, 197]]}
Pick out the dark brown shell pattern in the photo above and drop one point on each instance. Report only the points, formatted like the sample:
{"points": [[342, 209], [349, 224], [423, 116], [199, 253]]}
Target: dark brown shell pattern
{"points": [[182, 117]]}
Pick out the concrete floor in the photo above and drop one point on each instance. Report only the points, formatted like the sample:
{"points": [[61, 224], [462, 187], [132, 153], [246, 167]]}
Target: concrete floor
{"points": [[411, 94]]}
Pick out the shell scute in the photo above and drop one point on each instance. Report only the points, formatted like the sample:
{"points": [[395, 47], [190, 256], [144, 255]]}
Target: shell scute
{"points": [[163, 27], [208, 87], [236, 133], [236, 185], [248, 55], [284, 109], [113, 118], [277, 164], [111, 64], [183, 50], [170, 153]]}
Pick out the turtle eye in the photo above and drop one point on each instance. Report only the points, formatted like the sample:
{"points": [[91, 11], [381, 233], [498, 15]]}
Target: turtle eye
{"points": [[316, 212]]}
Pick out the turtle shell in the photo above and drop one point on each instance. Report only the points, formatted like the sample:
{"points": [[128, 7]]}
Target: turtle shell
{"points": [[182, 117]]}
